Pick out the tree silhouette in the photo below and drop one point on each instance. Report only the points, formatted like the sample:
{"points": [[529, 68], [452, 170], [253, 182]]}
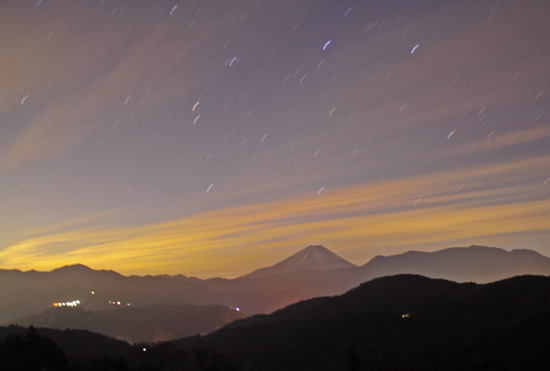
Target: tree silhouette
{"points": [[353, 361], [31, 352]]}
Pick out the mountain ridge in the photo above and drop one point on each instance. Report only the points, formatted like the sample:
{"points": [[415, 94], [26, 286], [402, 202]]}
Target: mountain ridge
{"points": [[27, 293], [474, 263], [315, 257], [403, 322]]}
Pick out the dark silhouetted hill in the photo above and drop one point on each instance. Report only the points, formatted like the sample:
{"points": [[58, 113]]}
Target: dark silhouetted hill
{"points": [[152, 323], [40, 349], [404, 322], [77, 344]]}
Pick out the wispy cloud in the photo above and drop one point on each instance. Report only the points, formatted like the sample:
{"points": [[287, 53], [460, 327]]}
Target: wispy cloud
{"points": [[127, 76], [497, 141], [356, 220]]}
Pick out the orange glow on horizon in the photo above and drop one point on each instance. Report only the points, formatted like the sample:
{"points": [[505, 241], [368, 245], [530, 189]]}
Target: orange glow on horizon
{"points": [[395, 215]]}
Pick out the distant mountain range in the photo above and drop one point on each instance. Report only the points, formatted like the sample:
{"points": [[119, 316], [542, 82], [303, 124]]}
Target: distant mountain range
{"points": [[462, 264], [311, 272]]}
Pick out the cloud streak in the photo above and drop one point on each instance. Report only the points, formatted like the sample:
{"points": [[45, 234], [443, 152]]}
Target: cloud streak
{"points": [[391, 215], [125, 71], [363, 146], [496, 141]]}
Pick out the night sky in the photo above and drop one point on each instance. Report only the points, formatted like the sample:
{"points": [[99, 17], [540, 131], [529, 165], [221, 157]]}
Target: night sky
{"points": [[211, 138]]}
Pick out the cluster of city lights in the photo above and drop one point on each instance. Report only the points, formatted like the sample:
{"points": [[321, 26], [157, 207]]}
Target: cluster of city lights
{"points": [[117, 303], [73, 303]]}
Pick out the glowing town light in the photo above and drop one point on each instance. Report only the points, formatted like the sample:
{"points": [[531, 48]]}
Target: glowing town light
{"points": [[73, 303]]}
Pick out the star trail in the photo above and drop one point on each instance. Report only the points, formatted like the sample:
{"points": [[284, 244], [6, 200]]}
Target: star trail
{"points": [[211, 137]]}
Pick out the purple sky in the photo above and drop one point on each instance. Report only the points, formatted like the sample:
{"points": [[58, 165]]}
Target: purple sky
{"points": [[214, 137]]}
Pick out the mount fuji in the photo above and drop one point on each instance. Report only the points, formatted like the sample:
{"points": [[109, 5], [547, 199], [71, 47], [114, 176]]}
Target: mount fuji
{"points": [[314, 257]]}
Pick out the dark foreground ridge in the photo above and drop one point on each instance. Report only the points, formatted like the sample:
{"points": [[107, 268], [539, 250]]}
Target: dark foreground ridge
{"points": [[403, 322], [42, 349]]}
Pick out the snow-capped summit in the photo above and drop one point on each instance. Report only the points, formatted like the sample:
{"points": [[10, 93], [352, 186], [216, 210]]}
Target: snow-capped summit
{"points": [[312, 257]]}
